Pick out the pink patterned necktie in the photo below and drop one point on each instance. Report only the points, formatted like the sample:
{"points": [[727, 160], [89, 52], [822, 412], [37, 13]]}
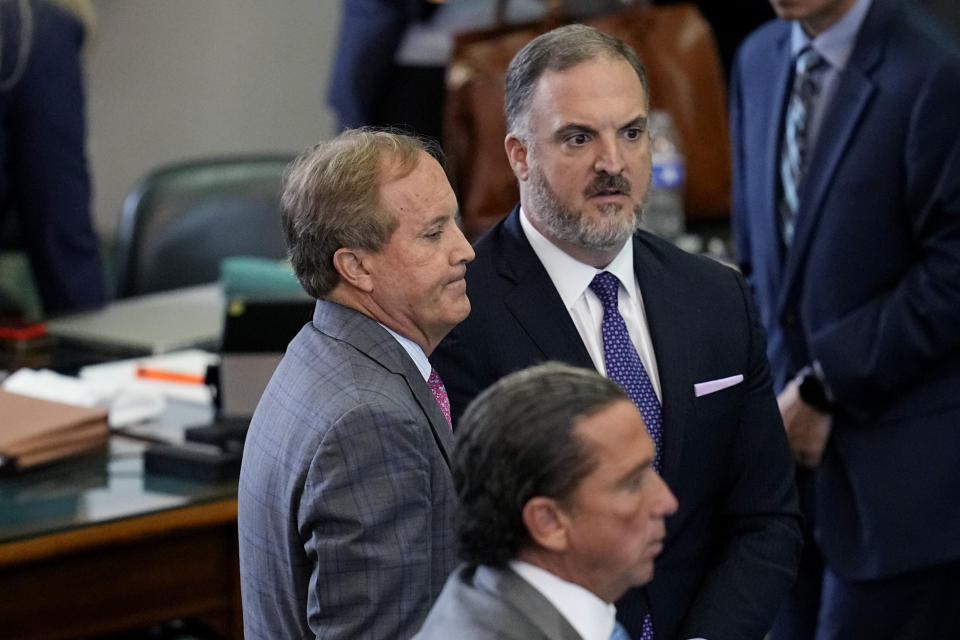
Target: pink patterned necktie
{"points": [[440, 394]]}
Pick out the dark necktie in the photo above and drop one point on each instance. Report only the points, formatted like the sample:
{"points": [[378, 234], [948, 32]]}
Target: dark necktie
{"points": [[622, 360], [626, 369], [440, 394], [794, 147]]}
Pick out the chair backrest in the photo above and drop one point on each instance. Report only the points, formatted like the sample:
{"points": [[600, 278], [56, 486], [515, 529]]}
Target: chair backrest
{"points": [[180, 220]]}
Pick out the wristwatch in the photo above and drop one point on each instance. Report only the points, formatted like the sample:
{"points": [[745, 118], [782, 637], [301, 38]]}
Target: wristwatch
{"points": [[813, 391]]}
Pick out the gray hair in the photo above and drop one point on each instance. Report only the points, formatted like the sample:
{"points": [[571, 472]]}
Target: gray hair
{"points": [[331, 199], [558, 50]]}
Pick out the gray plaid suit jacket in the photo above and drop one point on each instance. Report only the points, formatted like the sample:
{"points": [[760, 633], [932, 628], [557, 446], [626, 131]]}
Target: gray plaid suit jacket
{"points": [[346, 499]]}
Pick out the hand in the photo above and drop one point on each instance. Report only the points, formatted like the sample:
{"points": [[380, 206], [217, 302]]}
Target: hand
{"points": [[807, 429]]}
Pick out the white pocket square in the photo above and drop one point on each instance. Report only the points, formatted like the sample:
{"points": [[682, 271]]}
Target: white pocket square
{"points": [[710, 386]]}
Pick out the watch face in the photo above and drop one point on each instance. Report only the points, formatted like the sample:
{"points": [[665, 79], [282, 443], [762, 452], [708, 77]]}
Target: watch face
{"points": [[812, 392]]}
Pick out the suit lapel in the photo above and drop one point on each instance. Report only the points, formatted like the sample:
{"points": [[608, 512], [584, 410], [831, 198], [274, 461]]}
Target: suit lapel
{"points": [[854, 89], [783, 67], [537, 307], [374, 342], [428, 404], [534, 302], [505, 585], [667, 321]]}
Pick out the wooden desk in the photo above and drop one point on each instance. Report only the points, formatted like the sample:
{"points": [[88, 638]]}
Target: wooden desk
{"points": [[123, 575], [95, 546]]}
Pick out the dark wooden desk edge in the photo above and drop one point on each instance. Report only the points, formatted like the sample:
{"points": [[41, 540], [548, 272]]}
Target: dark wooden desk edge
{"points": [[177, 563], [118, 531]]}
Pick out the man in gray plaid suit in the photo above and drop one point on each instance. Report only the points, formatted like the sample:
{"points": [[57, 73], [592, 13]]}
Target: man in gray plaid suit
{"points": [[346, 498]]}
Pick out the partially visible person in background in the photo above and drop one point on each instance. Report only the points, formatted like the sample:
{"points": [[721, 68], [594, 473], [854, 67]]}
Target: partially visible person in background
{"points": [[44, 181], [365, 80], [846, 212], [390, 64]]}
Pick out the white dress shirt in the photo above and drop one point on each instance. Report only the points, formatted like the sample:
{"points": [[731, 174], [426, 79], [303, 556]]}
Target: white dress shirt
{"points": [[590, 616], [572, 280], [416, 352]]}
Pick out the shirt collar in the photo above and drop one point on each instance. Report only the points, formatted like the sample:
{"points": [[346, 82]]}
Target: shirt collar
{"points": [[836, 43], [590, 616], [570, 276], [416, 352]]}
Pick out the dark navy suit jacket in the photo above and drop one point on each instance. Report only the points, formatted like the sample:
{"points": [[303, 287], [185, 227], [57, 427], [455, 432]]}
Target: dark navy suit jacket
{"points": [[870, 287], [43, 167], [731, 548], [370, 32]]}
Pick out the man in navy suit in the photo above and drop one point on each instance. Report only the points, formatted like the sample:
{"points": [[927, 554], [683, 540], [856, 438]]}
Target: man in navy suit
{"points": [[847, 221], [577, 106]]}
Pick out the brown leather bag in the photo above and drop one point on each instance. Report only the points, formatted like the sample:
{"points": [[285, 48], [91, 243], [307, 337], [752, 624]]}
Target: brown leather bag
{"points": [[684, 75]]}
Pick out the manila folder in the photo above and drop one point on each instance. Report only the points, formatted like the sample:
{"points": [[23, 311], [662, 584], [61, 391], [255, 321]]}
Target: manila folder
{"points": [[33, 431]]}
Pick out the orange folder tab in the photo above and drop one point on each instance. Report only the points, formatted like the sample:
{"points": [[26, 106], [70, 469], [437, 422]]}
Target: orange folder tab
{"points": [[153, 373]]}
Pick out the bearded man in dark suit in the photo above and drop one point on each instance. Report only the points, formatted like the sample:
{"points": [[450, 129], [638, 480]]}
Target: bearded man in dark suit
{"points": [[567, 276]]}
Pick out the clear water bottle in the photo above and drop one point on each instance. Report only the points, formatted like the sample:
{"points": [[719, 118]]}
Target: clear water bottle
{"points": [[664, 213]]}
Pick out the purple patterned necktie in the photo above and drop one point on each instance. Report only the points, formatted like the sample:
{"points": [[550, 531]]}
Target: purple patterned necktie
{"points": [[626, 369], [440, 394], [620, 633], [622, 360]]}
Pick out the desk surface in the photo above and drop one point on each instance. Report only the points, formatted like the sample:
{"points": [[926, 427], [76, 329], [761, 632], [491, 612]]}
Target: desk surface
{"points": [[94, 545], [129, 328], [154, 323], [94, 490]]}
